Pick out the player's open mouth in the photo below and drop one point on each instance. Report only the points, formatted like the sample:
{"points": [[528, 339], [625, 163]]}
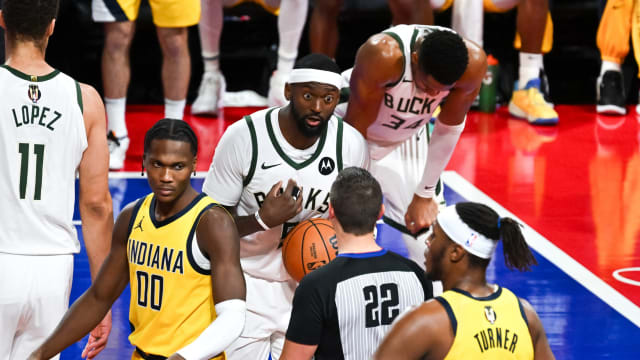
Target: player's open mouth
{"points": [[313, 120]]}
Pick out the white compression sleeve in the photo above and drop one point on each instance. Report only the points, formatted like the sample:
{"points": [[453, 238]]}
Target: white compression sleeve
{"points": [[293, 16], [443, 141], [220, 333]]}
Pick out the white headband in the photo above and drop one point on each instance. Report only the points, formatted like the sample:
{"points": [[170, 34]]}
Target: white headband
{"points": [[462, 234], [315, 75]]}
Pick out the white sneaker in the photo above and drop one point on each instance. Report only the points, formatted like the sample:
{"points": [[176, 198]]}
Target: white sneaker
{"points": [[117, 150], [276, 89], [209, 94]]}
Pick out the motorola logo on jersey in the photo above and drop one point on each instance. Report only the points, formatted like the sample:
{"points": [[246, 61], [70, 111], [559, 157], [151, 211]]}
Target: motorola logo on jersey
{"points": [[326, 166], [490, 314], [34, 93]]}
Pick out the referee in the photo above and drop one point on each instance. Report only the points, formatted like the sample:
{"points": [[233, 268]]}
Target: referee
{"points": [[345, 308]]}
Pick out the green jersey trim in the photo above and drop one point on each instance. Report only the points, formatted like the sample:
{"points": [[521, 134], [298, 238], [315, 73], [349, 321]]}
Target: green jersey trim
{"points": [[254, 151], [79, 91], [339, 143], [414, 36], [32, 78], [283, 155], [404, 60]]}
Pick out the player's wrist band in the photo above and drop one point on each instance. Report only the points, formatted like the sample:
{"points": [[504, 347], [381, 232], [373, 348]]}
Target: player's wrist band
{"points": [[259, 220]]}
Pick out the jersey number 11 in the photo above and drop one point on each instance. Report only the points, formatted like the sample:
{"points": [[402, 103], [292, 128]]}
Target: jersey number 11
{"points": [[38, 150]]}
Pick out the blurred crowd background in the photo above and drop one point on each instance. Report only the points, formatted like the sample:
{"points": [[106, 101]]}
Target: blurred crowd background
{"points": [[249, 48]]}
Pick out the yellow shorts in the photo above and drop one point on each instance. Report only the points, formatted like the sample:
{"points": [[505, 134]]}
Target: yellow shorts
{"points": [[166, 13]]}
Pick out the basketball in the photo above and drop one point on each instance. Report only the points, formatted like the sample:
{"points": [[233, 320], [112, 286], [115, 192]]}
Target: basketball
{"points": [[308, 246]]}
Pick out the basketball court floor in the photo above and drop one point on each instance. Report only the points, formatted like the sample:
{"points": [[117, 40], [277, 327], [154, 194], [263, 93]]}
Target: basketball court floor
{"points": [[575, 187]]}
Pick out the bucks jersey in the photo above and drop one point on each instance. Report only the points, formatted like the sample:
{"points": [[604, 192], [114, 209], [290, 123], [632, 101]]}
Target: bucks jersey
{"points": [[492, 327], [42, 139], [253, 155], [404, 109], [347, 306], [171, 299]]}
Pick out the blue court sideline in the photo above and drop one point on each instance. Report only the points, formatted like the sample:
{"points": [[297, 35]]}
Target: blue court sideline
{"points": [[579, 324]]}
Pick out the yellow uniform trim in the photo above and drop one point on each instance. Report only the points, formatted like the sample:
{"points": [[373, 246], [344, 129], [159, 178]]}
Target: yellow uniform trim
{"points": [[493, 327], [171, 295]]}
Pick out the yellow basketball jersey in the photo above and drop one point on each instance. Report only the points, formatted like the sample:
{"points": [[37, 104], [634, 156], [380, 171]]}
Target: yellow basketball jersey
{"points": [[493, 327], [171, 298]]}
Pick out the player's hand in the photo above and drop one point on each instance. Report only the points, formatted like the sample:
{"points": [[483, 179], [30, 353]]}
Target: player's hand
{"points": [[421, 213], [281, 205], [175, 356], [98, 338]]}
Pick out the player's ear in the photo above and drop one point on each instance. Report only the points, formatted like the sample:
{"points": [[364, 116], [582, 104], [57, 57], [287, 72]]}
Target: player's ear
{"points": [[456, 253], [381, 211], [2, 24], [414, 57], [332, 213], [287, 91], [50, 28], [195, 162]]}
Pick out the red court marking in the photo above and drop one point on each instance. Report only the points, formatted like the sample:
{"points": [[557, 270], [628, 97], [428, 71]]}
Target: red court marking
{"points": [[578, 183], [209, 130]]}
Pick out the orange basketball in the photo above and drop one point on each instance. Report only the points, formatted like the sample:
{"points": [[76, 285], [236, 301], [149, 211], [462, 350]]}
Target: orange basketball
{"points": [[308, 246]]}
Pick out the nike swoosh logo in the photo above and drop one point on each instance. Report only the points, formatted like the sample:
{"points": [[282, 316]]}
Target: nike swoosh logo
{"points": [[265, 167]]}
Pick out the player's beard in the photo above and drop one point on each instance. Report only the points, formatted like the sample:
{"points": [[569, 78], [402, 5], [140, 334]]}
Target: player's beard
{"points": [[305, 129]]}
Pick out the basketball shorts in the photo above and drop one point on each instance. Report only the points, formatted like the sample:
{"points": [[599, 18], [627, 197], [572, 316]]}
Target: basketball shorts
{"points": [[268, 313], [34, 295], [166, 13], [500, 6], [399, 172]]}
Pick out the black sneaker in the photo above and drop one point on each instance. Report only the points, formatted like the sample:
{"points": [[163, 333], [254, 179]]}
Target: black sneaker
{"points": [[544, 87], [611, 99]]}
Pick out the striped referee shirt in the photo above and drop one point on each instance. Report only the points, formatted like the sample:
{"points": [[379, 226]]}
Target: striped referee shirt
{"points": [[347, 306]]}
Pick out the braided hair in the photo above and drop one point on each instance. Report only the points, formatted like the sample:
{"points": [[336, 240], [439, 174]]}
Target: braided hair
{"points": [[487, 222], [171, 129]]}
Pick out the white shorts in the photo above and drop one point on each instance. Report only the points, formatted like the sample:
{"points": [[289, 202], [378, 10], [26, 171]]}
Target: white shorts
{"points": [[399, 173], [268, 313], [34, 295]]}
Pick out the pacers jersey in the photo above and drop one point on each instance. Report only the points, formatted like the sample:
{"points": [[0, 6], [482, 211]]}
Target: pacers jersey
{"points": [[404, 109], [253, 155], [42, 139], [171, 300], [493, 327]]}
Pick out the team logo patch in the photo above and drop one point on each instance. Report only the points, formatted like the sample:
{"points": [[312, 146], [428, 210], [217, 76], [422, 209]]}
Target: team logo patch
{"points": [[490, 314], [34, 93], [471, 240], [326, 166], [139, 226]]}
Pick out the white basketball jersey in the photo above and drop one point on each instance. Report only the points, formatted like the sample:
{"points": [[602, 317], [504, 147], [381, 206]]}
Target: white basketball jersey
{"points": [[273, 159], [405, 109], [42, 139]]}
